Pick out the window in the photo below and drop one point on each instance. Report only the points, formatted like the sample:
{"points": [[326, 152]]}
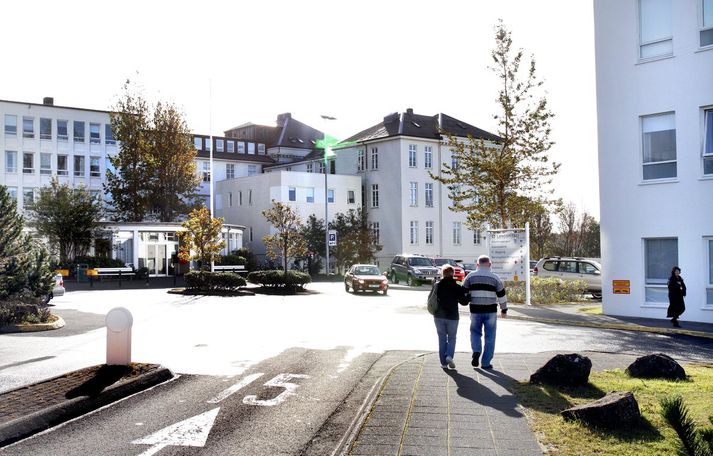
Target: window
{"points": [[261, 149], [454, 161], [350, 197], [251, 234], [708, 141], [429, 233], [252, 170], [413, 232], [230, 170], [231, 146], [45, 163], [250, 203], [429, 195], [456, 233], [10, 125], [707, 29], [321, 167], [78, 131], [62, 132], [62, 165], [28, 127], [12, 193], [428, 157], [413, 194], [10, 161], [309, 167], [659, 145], [206, 171], [45, 128], [219, 145], [251, 148], [374, 195], [660, 256], [568, 266], [240, 198], [292, 194], [709, 288], [374, 158], [587, 268], [476, 237], [375, 232], [412, 155], [656, 37], [207, 143], [28, 163], [550, 265], [78, 166], [330, 195], [332, 166], [361, 160], [94, 170], [310, 195], [109, 135], [28, 196], [230, 199], [241, 147], [94, 133], [198, 143]]}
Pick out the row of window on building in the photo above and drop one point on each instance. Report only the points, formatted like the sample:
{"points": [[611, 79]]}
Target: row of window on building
{"points": [[30, 194], [230, 146], [308, 194], [48, 132], [656, 27], [659, 145], [45, 168], [456, 239], [229, 170], [370, 160]]}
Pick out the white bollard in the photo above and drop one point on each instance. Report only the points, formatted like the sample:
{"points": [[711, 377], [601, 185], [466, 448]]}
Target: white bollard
{"points": [[118, 336]]}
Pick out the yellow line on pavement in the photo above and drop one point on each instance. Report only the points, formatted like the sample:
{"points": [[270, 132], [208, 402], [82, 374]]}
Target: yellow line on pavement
{"points": [[410, 407], [448, 401]]}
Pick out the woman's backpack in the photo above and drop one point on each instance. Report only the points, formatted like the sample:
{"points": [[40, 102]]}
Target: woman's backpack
{"points": [[432, 303]]}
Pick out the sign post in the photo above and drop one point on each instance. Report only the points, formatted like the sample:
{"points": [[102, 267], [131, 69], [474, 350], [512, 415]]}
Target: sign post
{"points": [[509, 251]]}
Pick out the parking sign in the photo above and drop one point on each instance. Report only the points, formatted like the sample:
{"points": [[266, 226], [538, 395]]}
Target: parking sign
{"points": [[332, 238]]}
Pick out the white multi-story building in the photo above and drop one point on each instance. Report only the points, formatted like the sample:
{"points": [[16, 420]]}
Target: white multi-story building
{"points": [[407, 209], [654, 61]]}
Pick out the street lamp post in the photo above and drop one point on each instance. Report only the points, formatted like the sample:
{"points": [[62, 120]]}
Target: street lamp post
{"points": [[326, 195]]}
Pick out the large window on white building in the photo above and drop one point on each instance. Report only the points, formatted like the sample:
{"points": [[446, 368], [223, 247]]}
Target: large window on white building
{"points": [[230, 170], [413, 194], [10, 161], [252, 170], [708, 141], [413, 232], [429, 194], [109, 135], [659, 146], [292, 193], [709, 286], [660, 256], [429, 233], [330, 195], [360, 160], [95, 133], [79, 166], [707, 23], [310, 194], [45, 128], [655, 29], [219, 145], [206, 171], [375, 232], [412, 155], [476, 237], [10, 125], [28, 127], [374, 195], [45, 163], [28, 163], [374, 158], [94, 170], [78, 130], [428, 157], [62, 130], [456, 233], [62, 165]]}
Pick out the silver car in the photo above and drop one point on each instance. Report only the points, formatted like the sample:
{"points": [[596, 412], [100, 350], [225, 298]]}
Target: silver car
{"points": [[568, 268], [58, 289]]}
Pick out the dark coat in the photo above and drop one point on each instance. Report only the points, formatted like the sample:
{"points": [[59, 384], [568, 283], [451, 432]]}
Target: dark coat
{"points": [[450, 294], [676, 292]]}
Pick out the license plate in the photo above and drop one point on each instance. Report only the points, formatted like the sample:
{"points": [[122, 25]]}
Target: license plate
{"points": [[373, 286]]}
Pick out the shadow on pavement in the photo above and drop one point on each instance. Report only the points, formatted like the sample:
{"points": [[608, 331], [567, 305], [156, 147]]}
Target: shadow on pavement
{"points": [[104, 377], [477, 392]]}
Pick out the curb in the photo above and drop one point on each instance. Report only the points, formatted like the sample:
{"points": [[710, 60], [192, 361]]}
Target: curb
{"points": [[58, 323], [25, 426], [618, 326]]}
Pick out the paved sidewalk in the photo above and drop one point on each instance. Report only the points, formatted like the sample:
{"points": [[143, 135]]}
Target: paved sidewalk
{"points": [[423, 410], [569, 314]]}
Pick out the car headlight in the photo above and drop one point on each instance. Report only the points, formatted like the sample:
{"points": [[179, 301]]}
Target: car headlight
{"points": [[417, 271], [361, 281], [384, 281]]}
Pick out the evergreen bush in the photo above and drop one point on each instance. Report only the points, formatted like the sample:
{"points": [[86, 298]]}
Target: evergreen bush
{"points": [[278, 278], [213, 281]]}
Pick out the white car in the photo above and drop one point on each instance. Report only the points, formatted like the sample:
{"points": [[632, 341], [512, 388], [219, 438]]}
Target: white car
{"points": [[567, 268], [58, 289]]}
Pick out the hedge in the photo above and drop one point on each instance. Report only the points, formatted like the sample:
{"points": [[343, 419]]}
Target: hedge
{"points": [[213, 281], [547, 290], [278, 278]]}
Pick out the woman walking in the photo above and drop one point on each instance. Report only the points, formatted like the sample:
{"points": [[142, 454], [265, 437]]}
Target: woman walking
{"points": [[450, 294], [676, 292]]}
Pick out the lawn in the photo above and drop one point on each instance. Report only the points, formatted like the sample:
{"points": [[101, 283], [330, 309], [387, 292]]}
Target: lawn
{"points": [[653, 437]]}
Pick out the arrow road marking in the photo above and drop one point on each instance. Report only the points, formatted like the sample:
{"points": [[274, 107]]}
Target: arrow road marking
{"points": [[235, 388], [281, 381], [190, 432]]}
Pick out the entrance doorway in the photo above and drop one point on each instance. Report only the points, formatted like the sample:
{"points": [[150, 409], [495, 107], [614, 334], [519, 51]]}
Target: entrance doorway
{"points": [[157, 249]]}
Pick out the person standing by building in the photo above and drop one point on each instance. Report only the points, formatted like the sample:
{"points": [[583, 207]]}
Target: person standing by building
{"points": [[486, 292], [676, 292], [449, 294]]}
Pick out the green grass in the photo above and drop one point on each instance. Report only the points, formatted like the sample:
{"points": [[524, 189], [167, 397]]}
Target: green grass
{"points": [[596, 310], [653, 437]]}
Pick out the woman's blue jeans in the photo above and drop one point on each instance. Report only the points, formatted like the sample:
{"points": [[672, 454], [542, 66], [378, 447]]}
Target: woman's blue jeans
{"points": [[447, 330]]}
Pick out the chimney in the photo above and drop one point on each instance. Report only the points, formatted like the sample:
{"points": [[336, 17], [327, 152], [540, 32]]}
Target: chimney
{"points": [[409, 111], [49, 101], [282, 118]]}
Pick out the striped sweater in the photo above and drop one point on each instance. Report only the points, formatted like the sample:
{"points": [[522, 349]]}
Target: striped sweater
{"points": [[486, 291]]}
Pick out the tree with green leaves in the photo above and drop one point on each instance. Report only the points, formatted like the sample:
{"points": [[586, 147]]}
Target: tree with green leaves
{"points": [[25, 274], [356, 242], [68, 217], [314, 234], [154, 172], [494, 182], [287, 241], [201, 238]]}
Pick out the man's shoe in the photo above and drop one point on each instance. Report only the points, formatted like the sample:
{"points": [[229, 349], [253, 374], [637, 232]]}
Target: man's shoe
{"points": [[443, 366], [475, 362], [449, 361], [488, 367], [675, 324]]}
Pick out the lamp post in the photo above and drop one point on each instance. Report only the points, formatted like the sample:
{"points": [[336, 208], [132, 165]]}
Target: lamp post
{"points": [[326, 194]]}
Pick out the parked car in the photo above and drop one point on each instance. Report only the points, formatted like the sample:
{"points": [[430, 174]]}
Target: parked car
{"points": [[468, 268], [57, 290], [458, 272], [414, 269], [365, 277], [567, 268], [533, 263]]}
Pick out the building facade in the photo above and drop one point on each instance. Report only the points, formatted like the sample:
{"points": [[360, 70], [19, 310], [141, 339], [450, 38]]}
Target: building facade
{"points": [[654, 64]]}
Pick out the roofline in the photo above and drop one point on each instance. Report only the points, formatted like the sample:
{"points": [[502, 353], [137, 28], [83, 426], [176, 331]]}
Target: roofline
{"points": [[57, 106]]}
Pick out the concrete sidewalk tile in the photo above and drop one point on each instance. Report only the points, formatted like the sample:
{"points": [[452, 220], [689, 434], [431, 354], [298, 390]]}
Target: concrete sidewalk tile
{"points": [[474, 440], [465, 451], [374, 450], [410, 450], [371, 430], [427, 431], [426, 440]]}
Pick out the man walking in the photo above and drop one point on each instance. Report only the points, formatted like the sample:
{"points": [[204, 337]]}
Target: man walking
{"points": [[486, 292]]}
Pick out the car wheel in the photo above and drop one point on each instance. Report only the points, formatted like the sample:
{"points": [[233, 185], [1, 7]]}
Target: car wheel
{"points": [[346, 287], [394, 277], [385, 292], [410, 281]]}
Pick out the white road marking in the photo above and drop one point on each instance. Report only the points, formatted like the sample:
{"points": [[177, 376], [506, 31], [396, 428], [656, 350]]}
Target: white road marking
{"points": [[235, 388], [351, 354], [190, 432], [281, 381]]}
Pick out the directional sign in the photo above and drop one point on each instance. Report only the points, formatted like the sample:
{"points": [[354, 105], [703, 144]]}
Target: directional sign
{"points": [[332, 238], [191, 432], [507, 250]]}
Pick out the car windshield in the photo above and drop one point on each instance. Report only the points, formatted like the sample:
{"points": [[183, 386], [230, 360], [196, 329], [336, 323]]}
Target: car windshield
{"points": [[442, 261], [366, 270], [468, 265], [418, 261]]}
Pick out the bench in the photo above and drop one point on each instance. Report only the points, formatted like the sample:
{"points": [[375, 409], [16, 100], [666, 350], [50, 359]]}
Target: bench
{"points": [[237, 268], [110, 272]]}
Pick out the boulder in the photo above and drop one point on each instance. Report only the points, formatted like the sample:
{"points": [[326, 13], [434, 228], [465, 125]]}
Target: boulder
{"points": [[615, 410], [564, 370], [657, 365]]}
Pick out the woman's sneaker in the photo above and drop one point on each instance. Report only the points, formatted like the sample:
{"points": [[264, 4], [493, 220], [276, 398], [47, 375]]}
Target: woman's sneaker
{"points": [[449, 361]]}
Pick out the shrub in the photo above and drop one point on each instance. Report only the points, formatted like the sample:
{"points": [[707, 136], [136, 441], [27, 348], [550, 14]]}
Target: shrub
{"points": [[547, 290], [277, 278], [251, 262], [232, 259], [12, 313], [142, 273], [213, 281]]}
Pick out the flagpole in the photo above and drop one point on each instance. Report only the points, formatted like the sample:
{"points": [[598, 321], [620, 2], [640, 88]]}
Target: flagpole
{"points": [[210, 154]]}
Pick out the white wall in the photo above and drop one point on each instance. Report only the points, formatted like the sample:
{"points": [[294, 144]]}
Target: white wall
{"points": [[633, 209]]}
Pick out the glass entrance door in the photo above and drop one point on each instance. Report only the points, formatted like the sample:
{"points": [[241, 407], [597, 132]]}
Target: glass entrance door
{"points": [[156, 259]]}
